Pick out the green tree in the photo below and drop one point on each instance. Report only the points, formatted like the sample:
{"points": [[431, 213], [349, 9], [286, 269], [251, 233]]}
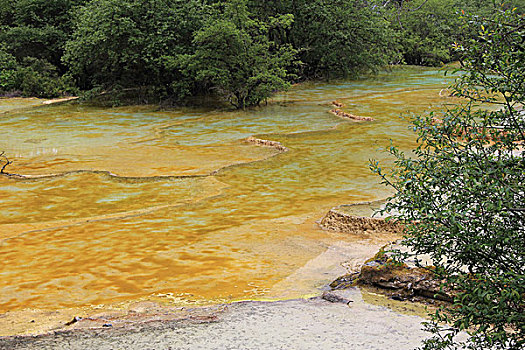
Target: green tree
{"points": [[334, 38], [126, 44], [341, 38], [426, 29], [43, 43], [235, 57], [34, 33], [36, 28], [461, 192], [39, 78], [8, 68]]}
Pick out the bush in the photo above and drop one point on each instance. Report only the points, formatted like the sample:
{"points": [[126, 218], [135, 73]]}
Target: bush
{"points": [[8, 68], [40, 78], [120, 44], [235, 58], [461, 193]]}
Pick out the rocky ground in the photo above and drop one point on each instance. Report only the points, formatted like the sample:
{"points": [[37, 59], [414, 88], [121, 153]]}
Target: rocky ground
{"points": [[344, 321], [412, 280]]}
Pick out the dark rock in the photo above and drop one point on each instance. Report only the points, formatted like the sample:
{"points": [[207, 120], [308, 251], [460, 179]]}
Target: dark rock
{"points": [[345, 281], [268, 143], [397, 280], [333, 297], [408, 281]]}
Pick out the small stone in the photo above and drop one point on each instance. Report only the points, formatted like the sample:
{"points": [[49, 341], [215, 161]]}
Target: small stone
{"points": [[373, 263], [334, 298]]}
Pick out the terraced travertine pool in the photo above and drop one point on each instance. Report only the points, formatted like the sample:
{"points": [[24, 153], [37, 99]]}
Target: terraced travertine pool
{"points": [[132, 203]]}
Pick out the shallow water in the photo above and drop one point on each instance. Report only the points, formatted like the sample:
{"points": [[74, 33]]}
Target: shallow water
{"points": [[175, 205]]}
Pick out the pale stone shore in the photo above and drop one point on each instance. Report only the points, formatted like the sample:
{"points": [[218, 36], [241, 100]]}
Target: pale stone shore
{"points": [[349, 323], [60, 100]]}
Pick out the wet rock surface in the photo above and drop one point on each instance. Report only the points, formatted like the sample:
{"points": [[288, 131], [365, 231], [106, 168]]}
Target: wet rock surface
{"points": [[403, 282], [398, 281], [345, 281], [413, 280], [337, 104], [337, 296]]}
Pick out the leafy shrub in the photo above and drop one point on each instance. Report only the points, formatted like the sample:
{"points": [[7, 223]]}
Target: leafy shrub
{"points": [[461, 193], [8, 68], [39, 78]]}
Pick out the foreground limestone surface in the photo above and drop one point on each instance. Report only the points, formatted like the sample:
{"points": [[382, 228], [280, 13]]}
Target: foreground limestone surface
{"points": [[295, 324]]}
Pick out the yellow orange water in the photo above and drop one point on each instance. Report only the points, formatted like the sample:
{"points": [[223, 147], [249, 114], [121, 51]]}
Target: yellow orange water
{"points": [[137, 203]]}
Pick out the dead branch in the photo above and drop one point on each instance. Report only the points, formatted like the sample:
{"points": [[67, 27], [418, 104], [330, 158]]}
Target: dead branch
{"points": [[7, 162]]}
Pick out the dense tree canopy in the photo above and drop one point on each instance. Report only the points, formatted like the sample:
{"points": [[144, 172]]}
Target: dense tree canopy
{"points": [[426, 28], [177, 48], [334, 38], [34, 32], [235, 57], [125, 43], [36, 28], [341, 38]]}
